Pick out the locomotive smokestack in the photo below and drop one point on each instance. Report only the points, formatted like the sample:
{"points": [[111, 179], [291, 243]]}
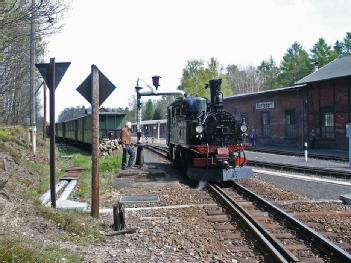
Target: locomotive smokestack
{"points": [[216, 94]]}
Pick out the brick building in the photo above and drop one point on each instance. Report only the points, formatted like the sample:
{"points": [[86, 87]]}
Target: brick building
{"points": [[319, 104]]}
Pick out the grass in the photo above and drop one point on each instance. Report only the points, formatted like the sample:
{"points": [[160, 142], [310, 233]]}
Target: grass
{"points": [[18, 249], [109, 166], [81, 228], [75, 223], [13, 134], [12, 140]]}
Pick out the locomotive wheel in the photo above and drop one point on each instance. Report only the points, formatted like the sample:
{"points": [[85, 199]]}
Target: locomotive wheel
{"points": [[175, 156], [184, 153], [170, 153]]}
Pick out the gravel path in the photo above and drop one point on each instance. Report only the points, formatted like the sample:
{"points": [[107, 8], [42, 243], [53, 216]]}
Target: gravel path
{"points": [[167, 233]]}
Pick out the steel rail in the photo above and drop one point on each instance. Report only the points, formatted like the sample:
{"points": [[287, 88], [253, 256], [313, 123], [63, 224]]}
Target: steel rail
{"points": [[162, 151], [303, 169], [268, 245], [292, 153], [343, 174], [324, 244]]}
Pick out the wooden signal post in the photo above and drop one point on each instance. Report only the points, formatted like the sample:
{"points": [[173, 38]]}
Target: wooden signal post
{"points": [[95, 142]]}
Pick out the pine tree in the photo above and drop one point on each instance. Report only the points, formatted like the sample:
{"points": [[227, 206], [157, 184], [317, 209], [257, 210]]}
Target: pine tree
{"points": [[149, 110], [347, 44], [294, 66], [338, 47], [321, 53]]}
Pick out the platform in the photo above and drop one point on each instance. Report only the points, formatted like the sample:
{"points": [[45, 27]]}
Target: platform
{"points": [[297, 160]]}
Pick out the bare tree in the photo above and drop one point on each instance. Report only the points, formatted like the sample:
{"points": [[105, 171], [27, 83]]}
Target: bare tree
{"points": [[244, 79], [15, 16]]}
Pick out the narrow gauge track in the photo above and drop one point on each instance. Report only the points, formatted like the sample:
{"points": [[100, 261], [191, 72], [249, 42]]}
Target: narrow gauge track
{"points": [[281, 237], [342, 174], [160, 150], [292, 153]]}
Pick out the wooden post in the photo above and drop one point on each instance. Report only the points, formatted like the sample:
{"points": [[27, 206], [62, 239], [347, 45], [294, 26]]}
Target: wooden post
{"points": [[118, 217], [95, 142], [44, 120], [52, 132]]}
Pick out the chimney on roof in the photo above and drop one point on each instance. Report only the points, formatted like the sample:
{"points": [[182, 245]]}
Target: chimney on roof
{"points": [[316, 66]]}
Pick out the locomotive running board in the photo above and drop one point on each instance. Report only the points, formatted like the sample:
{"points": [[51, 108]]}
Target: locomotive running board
{"points": [[219, 175]]}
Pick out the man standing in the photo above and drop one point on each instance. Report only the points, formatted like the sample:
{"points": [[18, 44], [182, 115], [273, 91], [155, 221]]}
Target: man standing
{"points": [[126, 140]]}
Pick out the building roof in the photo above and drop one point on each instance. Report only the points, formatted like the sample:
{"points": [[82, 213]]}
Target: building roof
{"points": [[264, 92], [151, 122], [340, 67], [112, 113], [89, 114]]}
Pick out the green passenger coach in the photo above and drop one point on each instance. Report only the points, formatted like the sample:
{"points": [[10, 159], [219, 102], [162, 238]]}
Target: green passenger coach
{"points": [[79, 130]]}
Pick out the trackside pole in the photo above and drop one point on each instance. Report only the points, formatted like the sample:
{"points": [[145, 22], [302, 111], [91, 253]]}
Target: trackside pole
{"points": [[52, 87], [158, 132], [95, 142], [348, 133], [44, 118], [52, 74]]}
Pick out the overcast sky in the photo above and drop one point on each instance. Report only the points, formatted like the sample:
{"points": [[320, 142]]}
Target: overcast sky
{"points": [[135, 39]]}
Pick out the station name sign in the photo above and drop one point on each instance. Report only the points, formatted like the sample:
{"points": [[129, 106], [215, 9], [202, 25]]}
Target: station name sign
{"points": [[265, 105]]}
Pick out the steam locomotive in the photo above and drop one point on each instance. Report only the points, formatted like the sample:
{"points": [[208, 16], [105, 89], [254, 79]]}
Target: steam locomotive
{"points": [[205, 140]]}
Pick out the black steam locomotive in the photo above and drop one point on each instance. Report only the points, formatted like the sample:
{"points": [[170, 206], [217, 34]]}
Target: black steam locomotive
{"points": [[206, 140]]}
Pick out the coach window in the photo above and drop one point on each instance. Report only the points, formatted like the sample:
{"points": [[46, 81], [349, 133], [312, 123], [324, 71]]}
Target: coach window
{"points": [[265, 124], [327, 124], [290, 124]]}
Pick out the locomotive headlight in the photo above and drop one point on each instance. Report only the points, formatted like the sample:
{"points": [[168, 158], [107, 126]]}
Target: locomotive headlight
{"points": [[243, 128], [199, 129]]}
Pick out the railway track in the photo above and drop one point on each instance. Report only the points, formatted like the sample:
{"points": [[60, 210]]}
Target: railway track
{"points": [[280, 237], [159, 150], [342, 174], [301, 154]]}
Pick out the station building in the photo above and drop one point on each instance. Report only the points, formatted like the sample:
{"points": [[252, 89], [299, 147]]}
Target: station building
{"points": [[152, 128], [318, 106]]}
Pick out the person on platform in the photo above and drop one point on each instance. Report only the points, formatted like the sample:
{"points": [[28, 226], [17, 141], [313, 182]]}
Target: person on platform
{"points": [[312, 139], [126, 141], [253, 137]]}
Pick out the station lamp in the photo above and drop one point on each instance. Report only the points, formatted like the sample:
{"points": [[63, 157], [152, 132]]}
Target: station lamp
{"points": [[156, 81]]}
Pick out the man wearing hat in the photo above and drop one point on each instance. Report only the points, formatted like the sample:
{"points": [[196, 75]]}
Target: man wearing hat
{"points": [[126, 140]]}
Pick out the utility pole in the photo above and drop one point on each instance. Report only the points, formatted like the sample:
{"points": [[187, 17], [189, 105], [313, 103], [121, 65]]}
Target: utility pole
{"points": [[32, 128]]}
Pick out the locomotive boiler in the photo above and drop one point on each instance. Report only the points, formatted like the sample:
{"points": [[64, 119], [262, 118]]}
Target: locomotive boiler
{"points": [[205, 140]]}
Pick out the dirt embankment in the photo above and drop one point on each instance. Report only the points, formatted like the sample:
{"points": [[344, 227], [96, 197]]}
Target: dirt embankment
{"points": [[28, 231]]}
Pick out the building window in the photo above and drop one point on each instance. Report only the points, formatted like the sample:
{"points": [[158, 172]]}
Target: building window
{"points": [[328, 124], [290, 124], [265, 124]]}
